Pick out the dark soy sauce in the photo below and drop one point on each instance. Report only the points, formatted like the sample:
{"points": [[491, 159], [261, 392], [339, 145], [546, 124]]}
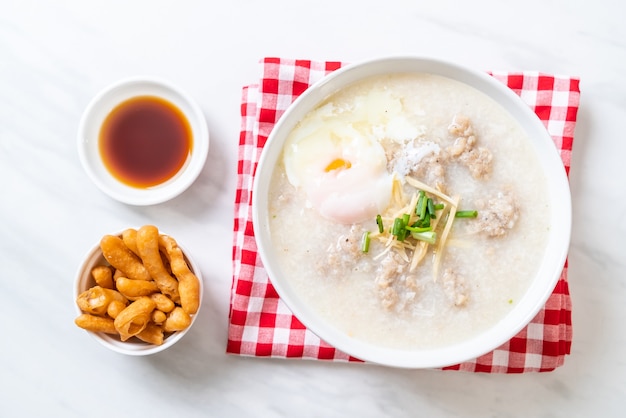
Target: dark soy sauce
{"points": [[145, 141]]}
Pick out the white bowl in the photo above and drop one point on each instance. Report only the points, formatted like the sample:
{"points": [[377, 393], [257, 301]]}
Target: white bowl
{"points": [[542, 284], [88, 139], [133, 346]]}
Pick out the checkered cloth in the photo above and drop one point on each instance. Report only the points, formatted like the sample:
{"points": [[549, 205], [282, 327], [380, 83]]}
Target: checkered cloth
{"points": [[260, 324]]}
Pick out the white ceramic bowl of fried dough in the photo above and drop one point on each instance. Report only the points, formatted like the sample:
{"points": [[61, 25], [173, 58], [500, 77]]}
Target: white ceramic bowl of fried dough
{"points": [[312, 300], [132, 346]]}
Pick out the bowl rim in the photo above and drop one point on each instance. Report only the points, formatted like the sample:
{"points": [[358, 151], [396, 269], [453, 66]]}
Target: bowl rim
{"points": [[101, 105], [133, 347], [558, 188]]}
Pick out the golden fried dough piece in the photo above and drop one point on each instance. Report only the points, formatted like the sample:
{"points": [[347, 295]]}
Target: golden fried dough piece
{"points": [[148, 247], [188, 283], [129, 237], [134, 318], [177, 320], [117, 274], [163, 303], [158, 317], [166, 261], [152, 334], [95, 323], [119, 256], [103, 276], [97, 299], [133, 289], [115, 308]]}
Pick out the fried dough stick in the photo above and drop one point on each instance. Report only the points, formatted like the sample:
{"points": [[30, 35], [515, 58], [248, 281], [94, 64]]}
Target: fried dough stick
{"points": [[119, 256], [148, 247], [188, 283]]}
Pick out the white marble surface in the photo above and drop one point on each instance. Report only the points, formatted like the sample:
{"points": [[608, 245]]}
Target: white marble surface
{"points": [[54, 56]]}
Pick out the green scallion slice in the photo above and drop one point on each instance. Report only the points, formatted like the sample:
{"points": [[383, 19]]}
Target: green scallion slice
{"points": [[418, 228], [398, 226], [379, 222], [423, 208], [365, 242], [422, 223], [399, 230], [431, 208], [428, 236], [466, 214], [420, 202]]}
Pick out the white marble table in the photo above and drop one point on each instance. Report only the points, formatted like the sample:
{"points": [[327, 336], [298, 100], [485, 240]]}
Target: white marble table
{"points": [[54, 56]]}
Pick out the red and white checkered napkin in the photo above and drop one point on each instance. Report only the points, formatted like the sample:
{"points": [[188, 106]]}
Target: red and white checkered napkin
{"points": [[260, 324]]}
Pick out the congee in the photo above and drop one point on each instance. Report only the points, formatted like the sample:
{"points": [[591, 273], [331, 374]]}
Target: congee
{"points": [[409, 211]]}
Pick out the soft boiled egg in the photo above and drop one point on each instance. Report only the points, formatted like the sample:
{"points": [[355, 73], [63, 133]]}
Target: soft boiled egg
{"points": [[342, 170]]}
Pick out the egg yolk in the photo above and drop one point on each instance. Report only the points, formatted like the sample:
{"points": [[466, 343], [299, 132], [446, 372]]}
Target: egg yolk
{"points": [[338, 164]]}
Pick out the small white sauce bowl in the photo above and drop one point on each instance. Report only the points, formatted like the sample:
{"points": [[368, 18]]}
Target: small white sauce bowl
{"points": [[132, 347], [89, 131]]}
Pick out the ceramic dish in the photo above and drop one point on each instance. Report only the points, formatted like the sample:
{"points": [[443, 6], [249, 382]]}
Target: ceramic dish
{"points": [[133, 346], [541, 285], [89, 134]]}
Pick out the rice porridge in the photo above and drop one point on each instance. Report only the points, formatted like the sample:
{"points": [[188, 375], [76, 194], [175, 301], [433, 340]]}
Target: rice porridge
{"points": [[409, 211]]}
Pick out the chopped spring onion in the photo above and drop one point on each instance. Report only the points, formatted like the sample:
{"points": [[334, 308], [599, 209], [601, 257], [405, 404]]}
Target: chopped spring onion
{"points": [[379, 222], [421, 196], [466, 214], [430, 205], [425, 208], [427, 236], [422, 206], [414, 225], [423, 223], [418, 229], [365, 242], [399, 228]]}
